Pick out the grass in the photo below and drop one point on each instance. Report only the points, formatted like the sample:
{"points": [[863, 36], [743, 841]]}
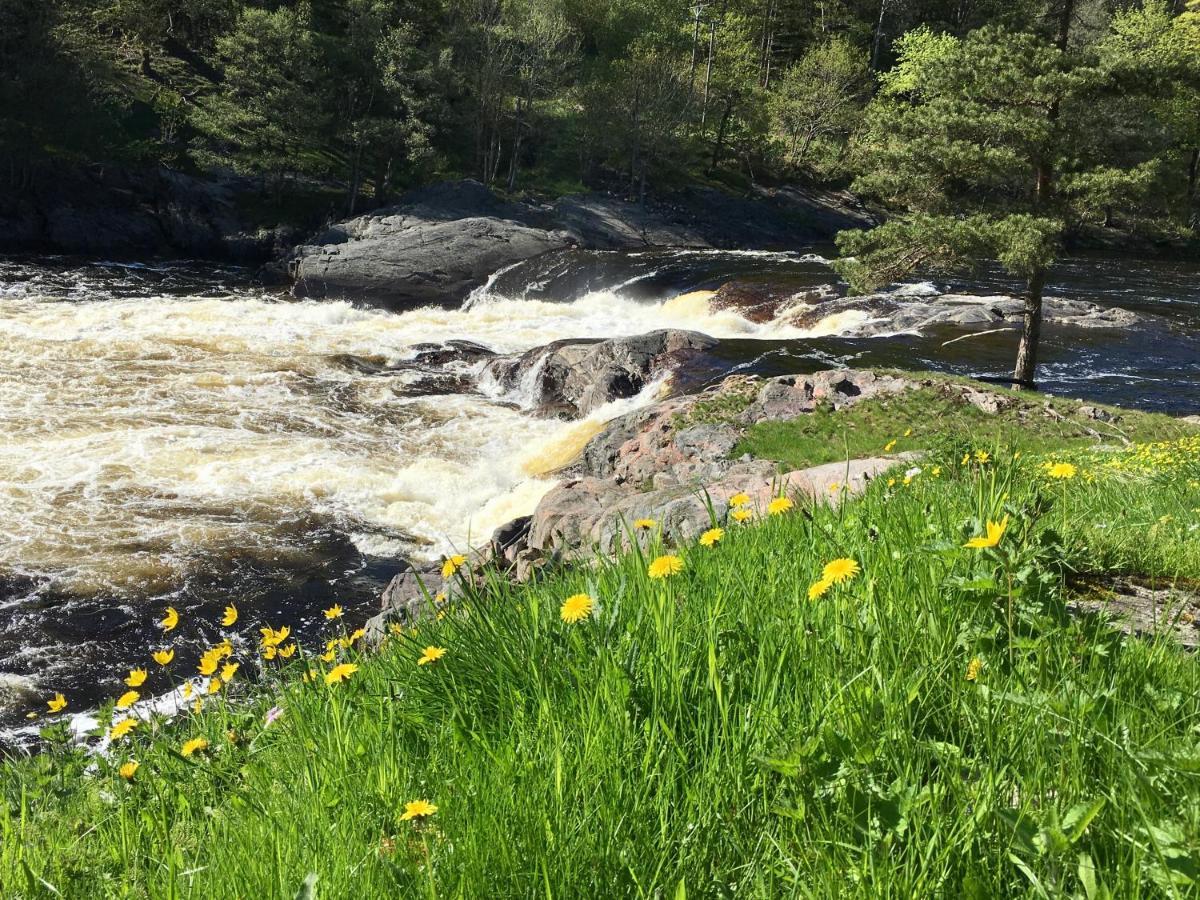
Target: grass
{"points": [[715, 733], [867, 428]]}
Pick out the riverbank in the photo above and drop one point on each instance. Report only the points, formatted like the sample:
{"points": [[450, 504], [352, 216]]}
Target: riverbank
{"points": [[859, 694]]}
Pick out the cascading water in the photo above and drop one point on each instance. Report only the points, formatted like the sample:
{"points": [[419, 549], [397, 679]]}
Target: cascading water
{"points": [[173, 435]]}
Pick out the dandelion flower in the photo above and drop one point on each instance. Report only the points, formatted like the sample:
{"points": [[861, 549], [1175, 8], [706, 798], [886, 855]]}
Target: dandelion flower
{"points": [[334, 612], [56, 703], [995, 531], [974, 667], [937, 470], [665, 567], [272, 637], [187, 690], [198, 705], [127, 699], [128, 770], [418, 809], [889, 446], [122, 728], [908, 432], [170, 619], [966, 458], [340, 673], [214, 685], [286, 652], [452, 565], [328, 655], [711, 537], [229, 671], [644, 524], [163, 657], [840, 570], [1063, 470], [576, 608], [356, 634], [137, 677], [431, 654], [779, 505], [194, 745], [741, 515], [982, 456], [230, 616], [223, 649], [270, 651], [740, 499], [818, 588], [208, 664]]}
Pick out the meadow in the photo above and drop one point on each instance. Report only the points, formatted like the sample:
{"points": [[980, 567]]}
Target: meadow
{"points": [[884, 697]]}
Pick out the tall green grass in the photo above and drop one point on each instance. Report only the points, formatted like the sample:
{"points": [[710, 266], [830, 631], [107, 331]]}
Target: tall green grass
{"points": [[712, 734]]}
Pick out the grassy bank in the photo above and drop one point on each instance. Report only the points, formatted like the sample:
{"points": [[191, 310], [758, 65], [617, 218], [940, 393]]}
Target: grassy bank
{"points": [[930, 722]]}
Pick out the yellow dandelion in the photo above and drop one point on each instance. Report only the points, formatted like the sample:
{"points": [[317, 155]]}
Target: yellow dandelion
{"points": [[740, 499], [355, 635], [272, 637], [270, 651], [982, 456], [122, 728], [711, 537], [209, 663], [818, 588], [230, 616], [1063, 470], [418, 809], [170, 619], [889, 446], [328, 655], [995, 531], [741, 514], [334, 612], [214, 685], [779, 505], [127, 699], [229, 671], [286, 652], [340, 673], [223, 649], [136, 678], [576, 608], [966, 458], [908, 432], [198, 705], [163, 657], [452, 565], [57, 703], [840, 570], [665, 567], [431, 654], [937, 470], [187, 690], [128, 770], [195, 745], [645, 524], [974, 667]]}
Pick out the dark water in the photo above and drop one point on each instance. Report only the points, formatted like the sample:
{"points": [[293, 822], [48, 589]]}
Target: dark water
{"points": [[296, 559]]}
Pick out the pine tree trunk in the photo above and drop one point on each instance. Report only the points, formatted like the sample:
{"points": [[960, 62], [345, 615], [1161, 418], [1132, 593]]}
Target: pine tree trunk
{"points": [[1025, 372], [712, 42], [1193, 190]]}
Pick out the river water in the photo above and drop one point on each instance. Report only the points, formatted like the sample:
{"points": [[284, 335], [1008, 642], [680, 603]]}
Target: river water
{"points": [[174, 434]]}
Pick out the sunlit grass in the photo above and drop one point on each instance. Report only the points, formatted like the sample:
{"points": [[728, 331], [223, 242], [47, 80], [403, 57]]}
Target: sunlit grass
{"points": [[688, 722]]}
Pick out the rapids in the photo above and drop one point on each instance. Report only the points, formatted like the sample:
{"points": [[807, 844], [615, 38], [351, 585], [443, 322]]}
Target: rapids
{"points": [[175, 434]]}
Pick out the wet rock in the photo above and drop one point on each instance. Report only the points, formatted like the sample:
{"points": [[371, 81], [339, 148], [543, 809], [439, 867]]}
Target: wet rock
{"points": [[761, 303], [574, 377]]}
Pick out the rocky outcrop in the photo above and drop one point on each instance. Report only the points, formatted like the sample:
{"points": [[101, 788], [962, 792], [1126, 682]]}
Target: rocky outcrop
{"points": [[572, 378]]}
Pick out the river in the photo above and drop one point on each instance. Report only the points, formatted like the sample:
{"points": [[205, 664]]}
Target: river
{"points": [[176, 435]]}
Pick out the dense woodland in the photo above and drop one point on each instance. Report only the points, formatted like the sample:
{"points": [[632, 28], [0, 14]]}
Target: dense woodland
{"points": [[372, 96]]}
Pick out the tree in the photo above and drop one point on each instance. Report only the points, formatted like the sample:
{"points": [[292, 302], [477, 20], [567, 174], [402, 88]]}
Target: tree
{"points": [[820, 98], [969, 140]]}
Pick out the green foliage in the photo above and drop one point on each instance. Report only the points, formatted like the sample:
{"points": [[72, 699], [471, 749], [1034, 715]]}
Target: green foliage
{"points": [[934, 725]]}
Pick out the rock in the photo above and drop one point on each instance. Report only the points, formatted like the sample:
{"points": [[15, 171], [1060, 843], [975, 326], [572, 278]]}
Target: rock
{"points": [[574, 377], [987, 402], [1096, 414], [761, 303], [1191, 420], [401, 261], [1138, 609]]}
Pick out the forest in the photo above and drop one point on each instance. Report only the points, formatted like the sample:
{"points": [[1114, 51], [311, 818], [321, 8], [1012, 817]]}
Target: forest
{"points": [[368, 97]]}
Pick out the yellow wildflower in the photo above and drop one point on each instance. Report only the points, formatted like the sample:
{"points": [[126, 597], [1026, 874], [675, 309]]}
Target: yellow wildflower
{"points": [[889, 446], [230, 616], [170, 619], [122, 728], [198, 705], [273, 638], [576, 608], [645, 524], [741, 514], [418, 809], [779, 505], [286, 652], [665, 567], [452, 565], [56, 703], [194, 745], [270, 651], [818, 588], [995, 531], [431, 654], [208, 663], [128, 770], [740, 499], [136, 678], [974, 667], [355, 635], [163, 657], [840, 570], [127, 699], [334, 612], [187, 690], [982, 456], [711, 537], [214, 685], [1063, 470], [229, 671], [328, 655], [908, 432], [340, 673]]}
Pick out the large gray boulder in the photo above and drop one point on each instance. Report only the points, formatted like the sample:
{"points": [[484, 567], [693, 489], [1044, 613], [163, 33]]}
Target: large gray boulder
{"points": [[574, 377]]}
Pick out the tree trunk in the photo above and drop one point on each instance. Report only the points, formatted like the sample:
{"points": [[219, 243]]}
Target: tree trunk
{"points": [[720, 142], [1025, 372], [712, 41], [878, 36], [695, 52], [1193, 190]]}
